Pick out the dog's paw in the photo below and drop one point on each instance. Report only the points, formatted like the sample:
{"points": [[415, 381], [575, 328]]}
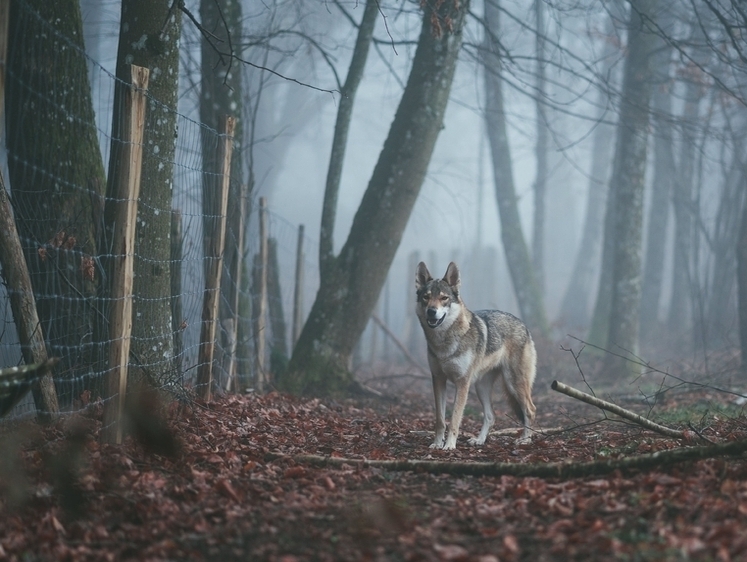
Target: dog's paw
{"points": [[524, 440], [476, 441], [450, 445], [437, 445]]}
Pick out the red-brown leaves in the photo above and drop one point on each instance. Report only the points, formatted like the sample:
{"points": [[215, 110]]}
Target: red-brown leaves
{"points": [[222, 497]]}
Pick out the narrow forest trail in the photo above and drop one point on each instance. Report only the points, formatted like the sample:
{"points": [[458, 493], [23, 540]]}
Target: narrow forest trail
{"points": [[222, 497]]}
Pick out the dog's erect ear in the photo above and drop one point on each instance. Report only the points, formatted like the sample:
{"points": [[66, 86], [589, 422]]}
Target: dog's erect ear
{"points": [[422, 276], [452, 277]]}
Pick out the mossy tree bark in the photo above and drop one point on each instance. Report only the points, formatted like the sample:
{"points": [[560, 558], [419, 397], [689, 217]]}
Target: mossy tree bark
{"points": [[149, 36], [351, 281], [56, 175]]}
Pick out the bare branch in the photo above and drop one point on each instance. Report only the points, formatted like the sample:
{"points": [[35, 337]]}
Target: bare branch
{"points": [[209, 37], [622, 412], [651, 369]]}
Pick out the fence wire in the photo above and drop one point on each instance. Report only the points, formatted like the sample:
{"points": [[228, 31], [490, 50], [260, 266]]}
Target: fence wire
{"points": [[56, 174]]}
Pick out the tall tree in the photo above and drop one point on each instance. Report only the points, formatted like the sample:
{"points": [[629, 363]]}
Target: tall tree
{"points": [[717, 326], [339, 142], [625, 203], [221, 93], [56, 173], [353, 280], [149, 37], [540, 182], [526, 286], [574, 309], [679, 322], [741, 251], [661, 187]]}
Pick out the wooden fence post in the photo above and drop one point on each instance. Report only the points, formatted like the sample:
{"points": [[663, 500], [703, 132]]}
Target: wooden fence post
{"points": [[262, 304], [275, 311], [298, 289], [214, 268], [177, 314], [236, 268], [126, 193], [409, 334]]}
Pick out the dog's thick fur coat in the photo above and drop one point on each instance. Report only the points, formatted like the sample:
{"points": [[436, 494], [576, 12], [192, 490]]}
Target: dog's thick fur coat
{"points": [[467, 347]]}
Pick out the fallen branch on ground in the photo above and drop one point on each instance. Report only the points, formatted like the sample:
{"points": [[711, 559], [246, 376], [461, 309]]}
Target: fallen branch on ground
{"points": [[539, 470], [622, 412]]}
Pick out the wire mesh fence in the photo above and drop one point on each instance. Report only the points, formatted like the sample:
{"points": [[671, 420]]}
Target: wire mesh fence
{"points": [[56, 175]]}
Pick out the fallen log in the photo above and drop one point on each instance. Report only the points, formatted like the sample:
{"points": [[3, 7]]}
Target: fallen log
{"points": [[539, 470], [622, 412]]}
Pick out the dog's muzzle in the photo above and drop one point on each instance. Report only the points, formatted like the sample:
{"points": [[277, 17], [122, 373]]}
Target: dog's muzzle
{"points": [[433, 320]]}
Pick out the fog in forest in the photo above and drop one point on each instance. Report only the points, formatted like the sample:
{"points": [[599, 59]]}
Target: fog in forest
{"points": [[296, 56]]}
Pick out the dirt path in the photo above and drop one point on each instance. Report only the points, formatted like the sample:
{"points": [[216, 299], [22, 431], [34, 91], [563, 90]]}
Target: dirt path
{"points": [[220, 498]]}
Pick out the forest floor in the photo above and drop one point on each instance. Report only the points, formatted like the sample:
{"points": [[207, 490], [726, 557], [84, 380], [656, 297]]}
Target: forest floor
{"points": [[219, 481]]}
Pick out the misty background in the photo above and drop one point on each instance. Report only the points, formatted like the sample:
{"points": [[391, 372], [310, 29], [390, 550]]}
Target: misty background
{"points": [[297, 53]]}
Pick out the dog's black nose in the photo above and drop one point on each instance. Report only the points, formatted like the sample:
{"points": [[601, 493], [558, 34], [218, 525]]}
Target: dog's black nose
{"points": [[431, 313]]}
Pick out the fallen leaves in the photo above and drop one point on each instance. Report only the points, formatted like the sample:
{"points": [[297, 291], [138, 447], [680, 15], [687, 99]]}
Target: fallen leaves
{"points": [[219, 497]]}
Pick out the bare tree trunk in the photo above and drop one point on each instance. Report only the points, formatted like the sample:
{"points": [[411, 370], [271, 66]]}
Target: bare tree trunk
{"points": [[680, 319], [353, 281], [540, 182], [627, 186], [342, 125], [664, 174], [526, 286], [742, 283], [221, 88], [574, 310], [149, 37], [720, 310]]}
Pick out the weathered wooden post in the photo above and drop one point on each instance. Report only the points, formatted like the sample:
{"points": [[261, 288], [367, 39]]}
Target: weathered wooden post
{"points": [[298, 289], [177, 314], [126, 193], [236, 268], [214, 257], [261, 336]]}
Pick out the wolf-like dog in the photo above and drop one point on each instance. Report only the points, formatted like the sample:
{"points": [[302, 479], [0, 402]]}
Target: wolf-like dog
{"points": [[480, 347]]}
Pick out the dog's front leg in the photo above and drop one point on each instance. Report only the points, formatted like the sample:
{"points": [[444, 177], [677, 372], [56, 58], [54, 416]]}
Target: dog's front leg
{"points": [[462, 391], [439, 393]]}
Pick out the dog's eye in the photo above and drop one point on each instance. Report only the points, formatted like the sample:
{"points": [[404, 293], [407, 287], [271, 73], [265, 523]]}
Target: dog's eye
{"points": [[444, 298]]}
